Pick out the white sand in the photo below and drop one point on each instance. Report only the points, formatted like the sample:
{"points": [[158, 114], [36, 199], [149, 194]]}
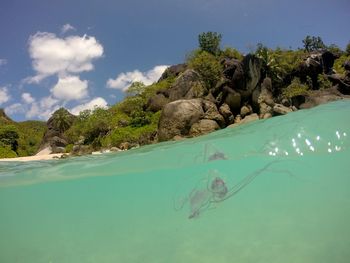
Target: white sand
{"points": [[44, 154]]}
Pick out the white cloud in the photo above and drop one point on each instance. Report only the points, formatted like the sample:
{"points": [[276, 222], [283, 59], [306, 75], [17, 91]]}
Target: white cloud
{"points": [[67, 27], [4, 95], [96, 102], [15, 108], [3, 61], [70, 88], [53, 55], [124, 80], [27, 98], [43, 109]]}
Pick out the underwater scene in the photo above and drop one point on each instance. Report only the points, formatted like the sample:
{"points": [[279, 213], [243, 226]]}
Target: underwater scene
{"points": [[275, 190]]}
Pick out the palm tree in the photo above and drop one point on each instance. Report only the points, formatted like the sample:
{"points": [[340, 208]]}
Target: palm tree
{"points": [[62, 120]]}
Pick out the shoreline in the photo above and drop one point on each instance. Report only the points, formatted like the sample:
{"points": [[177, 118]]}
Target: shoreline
{"points": [[43, 157]]}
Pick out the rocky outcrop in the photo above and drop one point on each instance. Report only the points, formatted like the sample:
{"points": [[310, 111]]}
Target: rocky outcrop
{"points": [[188, 118], [177, 118], [202, 127], [54, 138], [173, 71], [317, 97], [188, 85], [156, 102], [252, 69]]}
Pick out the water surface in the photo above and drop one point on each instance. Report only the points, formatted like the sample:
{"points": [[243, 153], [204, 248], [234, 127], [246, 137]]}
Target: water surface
{"points": [[276, 190]]}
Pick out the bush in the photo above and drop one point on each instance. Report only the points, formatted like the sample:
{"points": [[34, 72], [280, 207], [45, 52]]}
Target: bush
{"points": [[295, 88], [207, 66], [6, 151], [338, 64], [229, 52], [323, 82]]}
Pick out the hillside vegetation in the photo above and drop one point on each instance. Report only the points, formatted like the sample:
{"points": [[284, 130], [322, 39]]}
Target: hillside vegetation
{"points": [[224, 77]]}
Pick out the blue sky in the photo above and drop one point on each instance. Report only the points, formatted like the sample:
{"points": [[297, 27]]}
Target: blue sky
{"points": [[78, 54]]}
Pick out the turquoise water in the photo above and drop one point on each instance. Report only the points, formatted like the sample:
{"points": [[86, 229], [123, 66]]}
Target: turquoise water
{"points": [[283, 196]]}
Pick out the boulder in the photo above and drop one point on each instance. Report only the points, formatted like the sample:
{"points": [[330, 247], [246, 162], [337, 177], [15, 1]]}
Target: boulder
{"points": [[81, 150], [262, 98], [178, 117], [232, 99], [173, 71], [246, 110], [247, 119], [317, 97], [226, 113], [203, 126], [187, 86], [281, 110], [156, 102], [252, 66], [211, 113], [233, 71]]}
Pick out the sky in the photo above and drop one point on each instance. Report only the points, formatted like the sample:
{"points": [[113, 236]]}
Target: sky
{"points": [[79, 54]]}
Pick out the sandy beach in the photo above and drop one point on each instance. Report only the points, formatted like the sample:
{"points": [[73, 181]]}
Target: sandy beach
{"points": [[45, 154]]}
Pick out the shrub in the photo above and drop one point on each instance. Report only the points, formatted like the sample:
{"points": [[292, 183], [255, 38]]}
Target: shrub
{"points": [[323, 82], [6, 151], [207, 66], [338, 64], [313, 43], [295, 88], [229, 52]]}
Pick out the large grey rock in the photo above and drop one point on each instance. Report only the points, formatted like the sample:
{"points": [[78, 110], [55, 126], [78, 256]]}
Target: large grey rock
{"points": [[247, 119], [263, 98], [177, 118], [226, 113], [280, 109], [211, 113], [233, 99], [203, 126], [317, 97], [252, 70], [173, 71], [188, 85], [156, 102]]}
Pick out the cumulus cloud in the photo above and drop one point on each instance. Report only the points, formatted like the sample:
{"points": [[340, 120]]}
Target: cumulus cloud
{"points": [[96, 102], [63, 56], [27, 98], [67, 27], [3, 61], [43, 109], [15, 108], [4, 95], [70, 88], [124, 80]]}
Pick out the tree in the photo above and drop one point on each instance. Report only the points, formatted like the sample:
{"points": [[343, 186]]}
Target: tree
{"points": [[313, 43], [62, 120], [270, 66], [136, 88], [210, 42], [9, 136]]}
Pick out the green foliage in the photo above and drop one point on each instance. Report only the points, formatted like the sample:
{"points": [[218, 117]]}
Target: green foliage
{"points": [[9, 136], [313, 43], [136, 88], [323, 82], [207, 65], [335, 49], [229, 52], [270, 65], [6, 151], [338, 64], [347, 49], [295, 88], [69, 148], [62, 120], [210, 42], [30, 137]]}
